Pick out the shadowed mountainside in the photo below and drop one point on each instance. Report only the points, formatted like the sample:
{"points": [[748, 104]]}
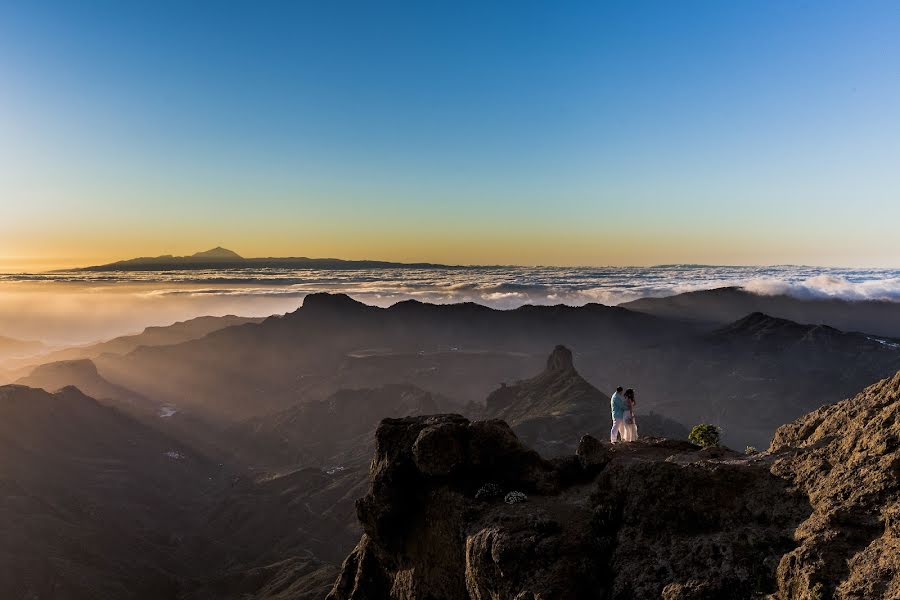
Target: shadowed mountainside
{"points": [[97, 506], [93, 502], [724, 305], [82, 374]]}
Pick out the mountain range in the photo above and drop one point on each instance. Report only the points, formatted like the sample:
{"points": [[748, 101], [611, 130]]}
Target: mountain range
{"points": [[222, 258], [725, 305], [260, 436], [747, 377], [151, 336]]}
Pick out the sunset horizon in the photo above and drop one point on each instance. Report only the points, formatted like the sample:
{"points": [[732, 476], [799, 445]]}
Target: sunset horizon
{"points": [[25, 264], [478, 136]]}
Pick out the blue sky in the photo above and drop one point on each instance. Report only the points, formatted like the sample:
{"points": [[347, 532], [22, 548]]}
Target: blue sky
{"points": [[532, 133]]}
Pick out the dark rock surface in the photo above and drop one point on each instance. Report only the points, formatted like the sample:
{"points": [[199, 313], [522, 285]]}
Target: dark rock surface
{"points": [[814, 517]]}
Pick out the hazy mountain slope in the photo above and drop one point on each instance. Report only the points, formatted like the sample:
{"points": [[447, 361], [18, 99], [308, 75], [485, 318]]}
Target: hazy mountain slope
{"points": [[13, 348], [725, 305], [82, 374], [199, 434], [176, 333], [93, 503]]}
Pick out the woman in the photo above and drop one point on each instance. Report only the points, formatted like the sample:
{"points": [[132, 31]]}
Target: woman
{"points": [[631, 433]]}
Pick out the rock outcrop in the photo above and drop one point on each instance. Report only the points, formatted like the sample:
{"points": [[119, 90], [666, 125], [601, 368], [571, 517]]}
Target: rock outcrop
{"points": [[846, 458], [550, 411], [814, 517]]}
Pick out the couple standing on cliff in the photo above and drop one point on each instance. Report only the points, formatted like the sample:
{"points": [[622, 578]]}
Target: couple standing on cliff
{"points": [[622, 405]]}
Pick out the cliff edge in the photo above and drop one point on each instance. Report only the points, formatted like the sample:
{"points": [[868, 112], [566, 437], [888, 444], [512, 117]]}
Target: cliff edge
{"points": [[460, 509]]}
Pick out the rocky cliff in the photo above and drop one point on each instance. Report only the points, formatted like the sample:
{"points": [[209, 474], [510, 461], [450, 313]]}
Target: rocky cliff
{"points": [[550, 411], [845, 458], [460, 509]]}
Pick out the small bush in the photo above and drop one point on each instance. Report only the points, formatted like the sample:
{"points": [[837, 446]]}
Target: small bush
{"points": [[704, 435], [489, 491], [515, 498], [751, 450]]}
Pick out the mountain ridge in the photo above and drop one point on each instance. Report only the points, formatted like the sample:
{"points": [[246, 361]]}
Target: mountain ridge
{"points": [[720, 306], [222, 258], [464, 351]]}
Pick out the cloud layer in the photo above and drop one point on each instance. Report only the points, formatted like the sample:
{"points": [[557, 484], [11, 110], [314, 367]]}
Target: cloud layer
{"points": [[76, 306]]}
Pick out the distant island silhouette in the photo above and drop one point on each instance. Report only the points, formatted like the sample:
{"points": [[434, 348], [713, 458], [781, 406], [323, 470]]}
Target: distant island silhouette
{"points": [[223, 258]]}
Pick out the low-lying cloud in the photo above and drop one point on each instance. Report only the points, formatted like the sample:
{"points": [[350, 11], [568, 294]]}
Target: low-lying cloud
{"points": [[829, 286], [74, 306]]}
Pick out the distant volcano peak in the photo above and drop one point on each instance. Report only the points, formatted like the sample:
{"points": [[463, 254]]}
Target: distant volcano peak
{"points": [[219, 253]]}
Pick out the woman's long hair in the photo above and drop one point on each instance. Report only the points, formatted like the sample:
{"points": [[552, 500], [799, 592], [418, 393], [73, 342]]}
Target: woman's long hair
{"points": [[629, 393]]}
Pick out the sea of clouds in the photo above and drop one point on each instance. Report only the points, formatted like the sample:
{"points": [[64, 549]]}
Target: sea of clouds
{"points": [[78, 307], [504, 287]]}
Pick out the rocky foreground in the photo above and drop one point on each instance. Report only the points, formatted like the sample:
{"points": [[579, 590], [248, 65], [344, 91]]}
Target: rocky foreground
{"points": [[460, 509]]}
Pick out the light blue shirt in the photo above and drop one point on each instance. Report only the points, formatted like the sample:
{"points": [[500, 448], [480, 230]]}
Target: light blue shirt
{"points": [[618, 405]]}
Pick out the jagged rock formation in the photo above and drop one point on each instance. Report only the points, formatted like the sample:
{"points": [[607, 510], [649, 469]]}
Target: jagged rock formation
{"points": [[551, 411], [614, 523], [814, 517]]}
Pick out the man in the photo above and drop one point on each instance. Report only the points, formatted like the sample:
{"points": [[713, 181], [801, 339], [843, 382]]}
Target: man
{"points": [[619, 406]]}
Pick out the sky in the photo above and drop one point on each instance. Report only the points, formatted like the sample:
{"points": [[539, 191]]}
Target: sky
{"points": [[594, 133]]}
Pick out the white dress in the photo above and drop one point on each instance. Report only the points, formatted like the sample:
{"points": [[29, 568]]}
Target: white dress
{"points": [[631, 433]]}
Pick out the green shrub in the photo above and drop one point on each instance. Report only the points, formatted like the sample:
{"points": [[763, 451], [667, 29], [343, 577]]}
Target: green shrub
{"points": [[704, 435], [751, 450]]}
